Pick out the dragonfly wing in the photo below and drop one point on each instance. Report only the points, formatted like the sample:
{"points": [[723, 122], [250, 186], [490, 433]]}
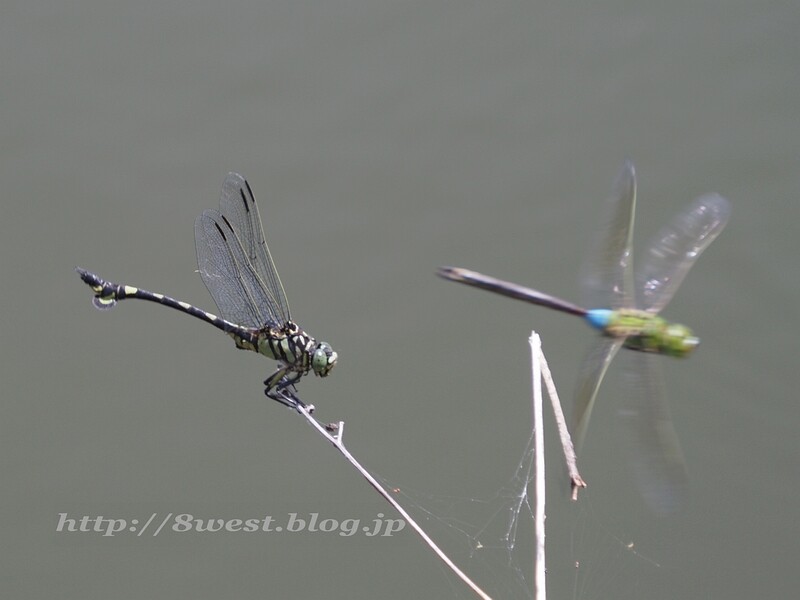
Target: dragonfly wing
{"points": [[238, 204], [225, 270], [593, 369], [675, 249], [607, 275], [658, 463]]}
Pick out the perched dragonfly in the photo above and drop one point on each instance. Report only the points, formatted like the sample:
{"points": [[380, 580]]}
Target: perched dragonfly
{"points": [[629, 304], [234, 261]]}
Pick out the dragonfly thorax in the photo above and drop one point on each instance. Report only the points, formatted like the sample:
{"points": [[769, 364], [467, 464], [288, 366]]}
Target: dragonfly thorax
{"points": [[647, 332], [294, 347]]}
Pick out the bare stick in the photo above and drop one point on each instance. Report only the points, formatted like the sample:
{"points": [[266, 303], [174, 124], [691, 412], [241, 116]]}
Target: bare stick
{"points": [[538, 448], [334, 434], [563, 431]]}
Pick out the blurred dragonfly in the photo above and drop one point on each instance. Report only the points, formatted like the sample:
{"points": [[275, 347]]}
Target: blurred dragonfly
{"points": [[628, 318]]}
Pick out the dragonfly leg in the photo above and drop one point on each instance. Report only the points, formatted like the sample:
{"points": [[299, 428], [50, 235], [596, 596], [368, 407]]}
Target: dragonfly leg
{"points": [[285, 396], [280, 387]]}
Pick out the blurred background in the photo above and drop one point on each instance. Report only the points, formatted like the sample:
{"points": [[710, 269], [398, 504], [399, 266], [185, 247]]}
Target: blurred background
{"points": [[383, 139]]}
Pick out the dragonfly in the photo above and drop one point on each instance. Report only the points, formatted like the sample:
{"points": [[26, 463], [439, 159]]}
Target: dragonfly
{"points": [[629, 302], [236, 266]]}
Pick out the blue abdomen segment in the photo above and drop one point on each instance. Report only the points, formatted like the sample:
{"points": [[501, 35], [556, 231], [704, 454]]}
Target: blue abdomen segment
{"points": [[599, 318]]}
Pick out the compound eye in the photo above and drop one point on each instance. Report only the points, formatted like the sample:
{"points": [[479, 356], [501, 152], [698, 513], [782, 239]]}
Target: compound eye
{"points": [[323, 359]]}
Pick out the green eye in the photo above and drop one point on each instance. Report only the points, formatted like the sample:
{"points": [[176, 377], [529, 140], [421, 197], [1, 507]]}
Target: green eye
{"points": [[323, 359]]}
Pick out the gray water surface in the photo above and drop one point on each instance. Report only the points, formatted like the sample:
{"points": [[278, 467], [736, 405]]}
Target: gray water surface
{"points": [[383, 139]]}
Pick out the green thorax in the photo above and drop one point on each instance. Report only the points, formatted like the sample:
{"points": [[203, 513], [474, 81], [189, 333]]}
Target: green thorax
{"points": [[647, 332], [290, 345]]}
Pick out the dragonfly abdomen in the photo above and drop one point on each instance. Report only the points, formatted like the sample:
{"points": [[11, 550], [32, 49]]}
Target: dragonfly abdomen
{"points": [[107, 294]]}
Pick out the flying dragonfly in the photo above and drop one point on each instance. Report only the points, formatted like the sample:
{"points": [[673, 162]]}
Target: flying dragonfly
{"points": [[628, 304], [235, 263]]}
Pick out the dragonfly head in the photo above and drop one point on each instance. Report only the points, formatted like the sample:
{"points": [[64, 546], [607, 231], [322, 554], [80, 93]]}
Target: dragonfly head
{"points": [[678, 341], [323, 359]]}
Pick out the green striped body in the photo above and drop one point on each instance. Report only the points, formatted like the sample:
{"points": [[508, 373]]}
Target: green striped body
{"points": [[647, 332]]}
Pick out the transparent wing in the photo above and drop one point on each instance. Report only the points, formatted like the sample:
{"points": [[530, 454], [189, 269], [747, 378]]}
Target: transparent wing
{"points": [[222, 265], [675, 249], [593, 369], [238, 204], [655, 451], [607, 275], [234, 261]]}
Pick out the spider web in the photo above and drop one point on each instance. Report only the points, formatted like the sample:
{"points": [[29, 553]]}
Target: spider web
{"points": [[492, 539]]}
